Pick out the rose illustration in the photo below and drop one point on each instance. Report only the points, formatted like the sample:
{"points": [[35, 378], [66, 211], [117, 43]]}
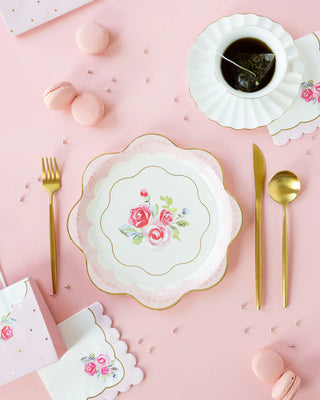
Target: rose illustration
{"points": [[156, 233], [105, 370], [139, 217], [144, 193], [307, 94], [166, 217], [90, 368], [6, 332], [317, 87], [103, 359]]}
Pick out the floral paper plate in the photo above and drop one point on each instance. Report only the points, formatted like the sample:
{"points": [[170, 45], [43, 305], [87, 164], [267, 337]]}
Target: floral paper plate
{"points": [[154, 221]]}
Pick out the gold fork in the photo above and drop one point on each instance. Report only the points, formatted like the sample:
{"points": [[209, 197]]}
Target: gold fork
{"points": [[51, 183]]}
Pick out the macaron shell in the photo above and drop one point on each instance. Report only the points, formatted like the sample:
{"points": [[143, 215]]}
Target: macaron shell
{"points": [[92, 38], [87, 109], [59, 96], [267, 365], [286, 387]]}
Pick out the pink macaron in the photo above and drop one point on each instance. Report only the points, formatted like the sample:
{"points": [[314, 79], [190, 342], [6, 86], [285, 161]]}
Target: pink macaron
{"points": [[286, 387], [267, 365], [92, 38], [87, 109], [59, 96]]}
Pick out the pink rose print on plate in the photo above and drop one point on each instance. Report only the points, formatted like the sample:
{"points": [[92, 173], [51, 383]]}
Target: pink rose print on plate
{"points": [[159, 229], [144, 193], [139, 217], [156, 233], [6, 332], [166, 217], [99, 366], [310, 92]]}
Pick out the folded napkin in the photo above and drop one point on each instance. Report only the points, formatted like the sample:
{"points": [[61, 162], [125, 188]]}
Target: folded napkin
{"points": [[23, 15], [304, 114], [29, 337], [96, 364]]}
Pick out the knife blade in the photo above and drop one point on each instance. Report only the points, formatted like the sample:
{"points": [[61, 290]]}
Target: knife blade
{"points": [[259, 168]]}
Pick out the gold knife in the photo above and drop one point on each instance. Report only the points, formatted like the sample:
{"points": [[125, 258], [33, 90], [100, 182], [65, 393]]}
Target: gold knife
{"points": [[259, 176]]}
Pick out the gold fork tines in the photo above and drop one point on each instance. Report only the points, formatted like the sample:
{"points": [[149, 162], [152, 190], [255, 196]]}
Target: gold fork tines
{"points": [[51, 183]]}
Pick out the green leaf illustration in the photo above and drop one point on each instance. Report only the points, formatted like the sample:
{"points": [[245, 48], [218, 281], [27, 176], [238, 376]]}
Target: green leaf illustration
{"points": [[176, 232], [3, 318], [127, 230], [182, 223], [98, 373], [91, 356], [169, 201], [310, 81], [155, 210], [138, 238], [162, 198], [173, 209]]}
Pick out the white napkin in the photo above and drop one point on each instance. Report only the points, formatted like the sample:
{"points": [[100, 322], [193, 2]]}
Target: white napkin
{"points": [[304, 115], [23, 15], [96, 364]]}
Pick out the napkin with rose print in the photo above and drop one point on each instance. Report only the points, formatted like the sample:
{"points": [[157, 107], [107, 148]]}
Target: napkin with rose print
{"points": [[29, 337], [96, 365], [304, 114]]}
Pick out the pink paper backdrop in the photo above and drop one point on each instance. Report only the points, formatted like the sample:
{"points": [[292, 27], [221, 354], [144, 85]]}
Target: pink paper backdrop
{"points": [[209, 356]]}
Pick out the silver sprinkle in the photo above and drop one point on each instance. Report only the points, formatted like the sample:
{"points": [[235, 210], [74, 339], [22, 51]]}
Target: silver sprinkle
{"points": [[107, 89], [90, 71], [113, 79], [67, 286], [146, 80]]}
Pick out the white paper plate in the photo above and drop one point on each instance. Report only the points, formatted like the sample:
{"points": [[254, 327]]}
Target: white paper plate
{"points": [[154, 221]]}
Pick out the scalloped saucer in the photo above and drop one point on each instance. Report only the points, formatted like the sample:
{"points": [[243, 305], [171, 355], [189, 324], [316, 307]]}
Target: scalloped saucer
{"points": [[230, 107], [154, 221]]}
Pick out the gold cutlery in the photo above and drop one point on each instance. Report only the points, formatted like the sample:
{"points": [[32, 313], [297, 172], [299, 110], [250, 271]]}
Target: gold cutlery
{"points": [[259, 176], [51, 183], [283, 188]]}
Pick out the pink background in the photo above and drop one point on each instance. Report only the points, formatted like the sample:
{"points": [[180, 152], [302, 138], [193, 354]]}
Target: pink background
{"points": [[209, 357]]}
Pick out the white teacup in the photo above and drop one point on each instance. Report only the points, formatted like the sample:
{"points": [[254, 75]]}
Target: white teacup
{"points": [[270, 40]]}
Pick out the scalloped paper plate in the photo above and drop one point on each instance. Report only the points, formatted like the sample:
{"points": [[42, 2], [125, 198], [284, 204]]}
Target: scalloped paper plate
{"points": [[232, 108], [154, 221]]}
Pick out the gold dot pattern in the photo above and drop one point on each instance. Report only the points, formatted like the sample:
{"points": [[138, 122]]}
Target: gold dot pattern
{"points": [[32, 20], [13, 10]]}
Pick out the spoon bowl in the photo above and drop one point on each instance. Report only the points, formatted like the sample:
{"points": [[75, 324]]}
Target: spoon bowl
{"points": [[283, 188]]}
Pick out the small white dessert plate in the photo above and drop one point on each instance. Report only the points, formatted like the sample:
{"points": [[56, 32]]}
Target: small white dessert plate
{"points": [[154, 221], [234, 108]]}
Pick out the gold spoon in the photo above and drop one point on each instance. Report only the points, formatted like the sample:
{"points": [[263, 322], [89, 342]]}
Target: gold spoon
{"points": [[284, 187]]}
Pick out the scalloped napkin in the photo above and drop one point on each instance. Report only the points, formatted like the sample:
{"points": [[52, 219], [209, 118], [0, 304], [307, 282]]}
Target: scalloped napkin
{"points": [[22, 15], [304, 115], [96, 364]]}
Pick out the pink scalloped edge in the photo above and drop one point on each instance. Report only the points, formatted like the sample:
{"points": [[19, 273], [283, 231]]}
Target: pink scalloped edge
{"points": [[284, 136], [133, 375]]}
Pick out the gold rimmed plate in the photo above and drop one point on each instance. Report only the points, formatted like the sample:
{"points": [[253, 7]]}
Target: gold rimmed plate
{"points": [[154, 221]]}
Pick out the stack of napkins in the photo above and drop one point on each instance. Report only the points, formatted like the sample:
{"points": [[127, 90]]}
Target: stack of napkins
{"points": [[96, 365], [29, 337], [304, 114]]}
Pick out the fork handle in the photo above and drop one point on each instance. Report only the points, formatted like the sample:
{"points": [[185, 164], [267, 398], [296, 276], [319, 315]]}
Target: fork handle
{"points": [[52, 248]]}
